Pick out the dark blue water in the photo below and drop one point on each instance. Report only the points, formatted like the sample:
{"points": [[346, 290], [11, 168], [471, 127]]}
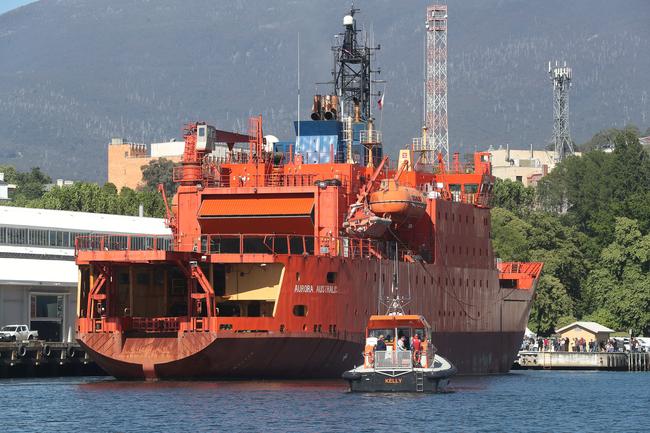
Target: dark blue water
{"points": [[529, 401]]}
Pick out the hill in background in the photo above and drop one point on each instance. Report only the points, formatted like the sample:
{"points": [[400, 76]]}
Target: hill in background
{"points": [[75, 73]]}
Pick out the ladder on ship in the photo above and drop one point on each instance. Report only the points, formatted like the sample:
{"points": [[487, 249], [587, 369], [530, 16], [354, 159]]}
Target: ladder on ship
{"points": [[419, 381]]}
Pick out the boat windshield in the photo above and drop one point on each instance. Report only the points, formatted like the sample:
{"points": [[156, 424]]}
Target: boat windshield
{"points": [[387, 333]]}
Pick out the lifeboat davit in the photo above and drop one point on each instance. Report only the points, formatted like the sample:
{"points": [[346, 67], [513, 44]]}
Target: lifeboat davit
{"points": [[399, 203]]}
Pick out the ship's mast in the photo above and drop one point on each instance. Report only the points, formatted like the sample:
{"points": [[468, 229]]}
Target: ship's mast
{"points": [[352, 72]]}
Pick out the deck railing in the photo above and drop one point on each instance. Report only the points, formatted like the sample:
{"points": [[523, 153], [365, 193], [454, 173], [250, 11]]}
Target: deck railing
{"points": [[393, 360], [267, 179], [119, 242], [531, 268], [154, 324], [275, 244]]}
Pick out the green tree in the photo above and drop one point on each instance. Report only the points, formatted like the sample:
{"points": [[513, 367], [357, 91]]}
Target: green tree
{"points": [[510, 235], [618, 288], [157, 172], [592, 190], [551, 303], [513, 196], [29, 185], [605, 138]]}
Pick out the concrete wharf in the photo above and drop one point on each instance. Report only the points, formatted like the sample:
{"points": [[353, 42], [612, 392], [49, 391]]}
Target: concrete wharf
{"points": [[620, 361], [45, 359]]}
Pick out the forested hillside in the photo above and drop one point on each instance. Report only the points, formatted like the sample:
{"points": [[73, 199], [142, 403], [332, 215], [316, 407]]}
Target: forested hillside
{"points": [[75, 73]]}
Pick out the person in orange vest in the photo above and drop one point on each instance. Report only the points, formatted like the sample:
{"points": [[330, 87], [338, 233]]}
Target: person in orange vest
{"points": [[416, 345]]}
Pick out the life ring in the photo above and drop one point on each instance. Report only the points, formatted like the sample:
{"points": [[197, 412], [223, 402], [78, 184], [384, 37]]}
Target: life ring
{"points": [[46, 350], [21, 351], [371, 358]]}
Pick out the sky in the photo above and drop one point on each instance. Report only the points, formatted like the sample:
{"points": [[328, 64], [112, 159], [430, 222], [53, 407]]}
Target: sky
{"points": [[7, 5]]}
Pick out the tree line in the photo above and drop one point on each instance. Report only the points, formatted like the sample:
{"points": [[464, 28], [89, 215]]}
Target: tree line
{"points": [[589, 222], [34, 189]]}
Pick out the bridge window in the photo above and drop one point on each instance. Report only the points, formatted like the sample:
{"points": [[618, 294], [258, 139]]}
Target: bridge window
{"points": [[300, 310]]}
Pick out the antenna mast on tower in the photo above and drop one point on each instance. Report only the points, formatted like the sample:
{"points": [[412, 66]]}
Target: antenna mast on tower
{"points": [[561, 77], [352, 70], [437, 134]]}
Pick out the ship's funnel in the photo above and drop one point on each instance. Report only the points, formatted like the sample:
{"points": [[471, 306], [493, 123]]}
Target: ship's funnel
{"points": [[327, 109], [333, 109], [316, 108]]}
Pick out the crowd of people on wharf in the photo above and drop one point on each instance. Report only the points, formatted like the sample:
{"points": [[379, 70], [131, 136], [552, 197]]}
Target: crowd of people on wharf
{"points": [[564, 344]]}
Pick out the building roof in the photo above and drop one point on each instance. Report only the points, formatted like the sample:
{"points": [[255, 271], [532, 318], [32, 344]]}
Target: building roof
{"points": [[589, 326], [81, 221]]}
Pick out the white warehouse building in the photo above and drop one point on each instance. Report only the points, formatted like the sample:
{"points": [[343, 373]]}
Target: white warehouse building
{"points": [[38, 274]]}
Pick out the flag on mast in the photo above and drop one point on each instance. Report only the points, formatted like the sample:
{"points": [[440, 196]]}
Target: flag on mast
{"points": [[380, 102]]}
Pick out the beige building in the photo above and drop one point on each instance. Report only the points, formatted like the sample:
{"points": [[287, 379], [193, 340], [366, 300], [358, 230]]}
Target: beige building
{"points": [[125, 160], [587, 330], [525, 166]]}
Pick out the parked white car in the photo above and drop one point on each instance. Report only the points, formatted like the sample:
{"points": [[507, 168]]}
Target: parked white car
{"points": [[17, 333]]}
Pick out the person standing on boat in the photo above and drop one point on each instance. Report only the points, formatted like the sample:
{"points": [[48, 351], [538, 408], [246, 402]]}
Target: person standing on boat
{"points": [[416, 345], [381, 344], [401, 345]]}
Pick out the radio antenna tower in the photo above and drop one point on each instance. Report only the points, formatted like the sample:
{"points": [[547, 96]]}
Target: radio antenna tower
{"points": [[437, 134], [561, 77], [352, 70]]}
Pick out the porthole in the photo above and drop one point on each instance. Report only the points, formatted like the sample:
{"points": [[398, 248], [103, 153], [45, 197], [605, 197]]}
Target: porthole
{"points": [[300, 310]]}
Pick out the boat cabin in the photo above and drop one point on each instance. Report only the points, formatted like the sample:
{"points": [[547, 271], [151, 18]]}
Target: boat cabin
{"points": [[390, 329]]}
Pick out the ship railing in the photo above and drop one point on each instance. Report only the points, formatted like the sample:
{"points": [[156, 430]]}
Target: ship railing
{"points": [[267, 179], [393, 360], [529, 268], [114, 242], [237, 156], [283, 244], [152, 324]]}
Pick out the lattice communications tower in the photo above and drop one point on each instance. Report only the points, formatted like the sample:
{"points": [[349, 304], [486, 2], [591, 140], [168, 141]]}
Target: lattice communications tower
{"points": [[352, 71], [437, 135], [561, 77]]}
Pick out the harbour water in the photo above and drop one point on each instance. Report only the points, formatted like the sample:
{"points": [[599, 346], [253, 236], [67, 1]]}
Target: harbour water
{"points": [[524, 401]]}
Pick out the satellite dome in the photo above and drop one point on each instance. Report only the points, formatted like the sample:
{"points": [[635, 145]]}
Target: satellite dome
{"points": [[348, 20]]}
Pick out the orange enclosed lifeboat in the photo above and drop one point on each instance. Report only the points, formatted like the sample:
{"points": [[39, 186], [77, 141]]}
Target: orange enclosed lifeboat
{"points": [[400, 203]]}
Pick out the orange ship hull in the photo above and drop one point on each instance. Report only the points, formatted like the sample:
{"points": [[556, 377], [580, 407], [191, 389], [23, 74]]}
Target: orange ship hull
{"points": [[289, 357]]}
